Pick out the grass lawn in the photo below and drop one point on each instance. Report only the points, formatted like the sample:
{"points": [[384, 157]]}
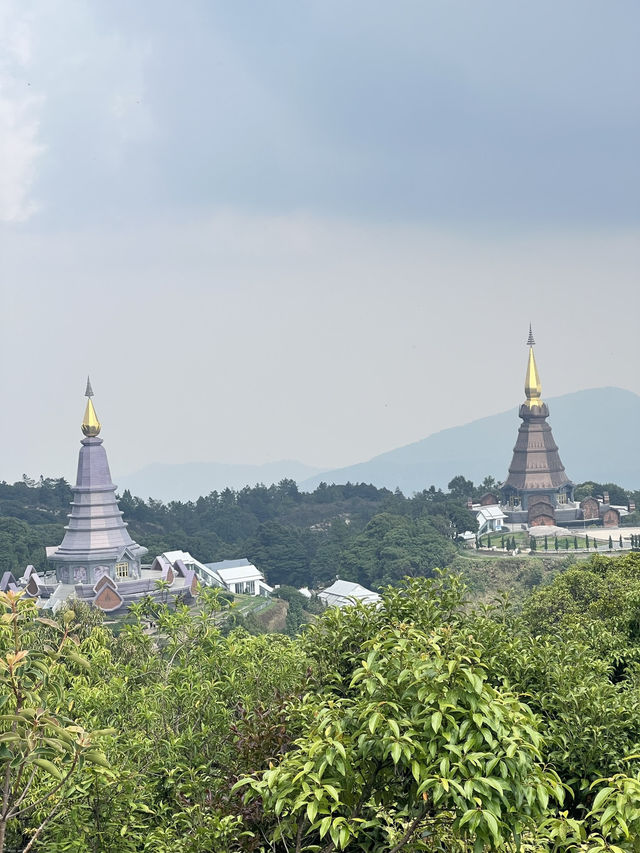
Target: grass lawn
{"points": [[566, 542]]}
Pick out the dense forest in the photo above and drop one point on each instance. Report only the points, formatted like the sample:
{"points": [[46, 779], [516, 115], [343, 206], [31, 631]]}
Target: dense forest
{"points": [[426, 724], [360, 532], [357, 531]]}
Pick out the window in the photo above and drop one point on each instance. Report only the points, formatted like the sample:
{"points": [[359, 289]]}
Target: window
{"points": [[250, 588], [122, 570]]}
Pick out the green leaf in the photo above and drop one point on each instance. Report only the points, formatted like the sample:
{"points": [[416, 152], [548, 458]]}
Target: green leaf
{"points": [[96, 757], [49, 767], [333, 791], [44, 621], [76, 657], [373, 721], [492, 823], [600, 797], [396, 752], [436, 720]]}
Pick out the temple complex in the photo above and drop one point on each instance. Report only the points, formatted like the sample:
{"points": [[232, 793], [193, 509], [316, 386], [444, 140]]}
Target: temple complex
{"points": [[537, 483], [537, 491], [97, 542], [97, 560]]}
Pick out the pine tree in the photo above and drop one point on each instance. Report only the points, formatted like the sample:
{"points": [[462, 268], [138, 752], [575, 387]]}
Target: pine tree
{"points": [[587, 541], [575, 543], [610, 543], [555, 544], [532, 543], [546, 544]]}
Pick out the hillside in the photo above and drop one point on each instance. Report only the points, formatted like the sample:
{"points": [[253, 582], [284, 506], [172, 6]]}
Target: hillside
{"points": [[595, 429]]}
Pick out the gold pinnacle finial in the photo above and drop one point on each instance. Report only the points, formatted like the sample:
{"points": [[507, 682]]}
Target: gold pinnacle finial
{"points": [[532, 385], [90, 422]]}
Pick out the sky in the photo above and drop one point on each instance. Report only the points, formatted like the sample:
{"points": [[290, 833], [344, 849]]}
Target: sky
{"points": [[308, 229]]}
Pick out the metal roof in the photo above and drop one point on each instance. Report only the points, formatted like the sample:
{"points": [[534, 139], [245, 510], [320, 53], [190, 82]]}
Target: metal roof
{"points": [[488, 512], [228, 564], [342, 593]]}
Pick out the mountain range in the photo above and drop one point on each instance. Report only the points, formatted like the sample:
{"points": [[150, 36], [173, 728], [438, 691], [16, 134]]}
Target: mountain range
{"points": [[596, 430]]}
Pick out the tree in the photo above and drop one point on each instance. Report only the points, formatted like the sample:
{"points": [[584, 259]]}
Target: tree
{"points": [[373, 770], [44, 754], [460, 488]]}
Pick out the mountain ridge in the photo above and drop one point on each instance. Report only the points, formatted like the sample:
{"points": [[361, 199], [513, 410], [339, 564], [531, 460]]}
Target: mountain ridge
{"points": [[594, 428], [607, 416]]}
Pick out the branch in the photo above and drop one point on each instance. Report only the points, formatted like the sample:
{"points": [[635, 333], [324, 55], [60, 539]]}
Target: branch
{"points": [[299, 834], [410, 831], [48, 818], [26, 788], [43, 799]]}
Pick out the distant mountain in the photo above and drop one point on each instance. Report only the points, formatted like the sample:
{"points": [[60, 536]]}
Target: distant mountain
{"points": [[189, 480], [596, 431]]}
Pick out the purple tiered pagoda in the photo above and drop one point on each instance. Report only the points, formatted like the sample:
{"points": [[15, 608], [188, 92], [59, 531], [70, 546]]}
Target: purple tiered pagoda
{"points": [[96, 541]]}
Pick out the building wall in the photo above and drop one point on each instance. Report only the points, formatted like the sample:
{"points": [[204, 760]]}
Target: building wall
{"points": [[590, 509], [610, 517]]}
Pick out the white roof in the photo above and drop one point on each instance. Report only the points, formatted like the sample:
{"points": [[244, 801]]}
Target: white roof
{"points": [[238, 573], [489, 512], [342, 593]]}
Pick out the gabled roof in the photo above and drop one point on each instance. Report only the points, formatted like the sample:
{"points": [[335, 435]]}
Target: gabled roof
{"points": [[228, 564], [232, 571], [342, 593], [486, 513]]}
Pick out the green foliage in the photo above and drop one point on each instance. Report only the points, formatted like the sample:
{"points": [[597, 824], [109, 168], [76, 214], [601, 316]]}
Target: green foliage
{"points": [[44, 753], [295, 538], [422, 724], [421, 738]]}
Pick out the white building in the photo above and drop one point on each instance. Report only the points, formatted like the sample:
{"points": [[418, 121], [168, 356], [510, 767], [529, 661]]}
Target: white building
{"points": [[345, 593], [240, 577], [489, 519]]}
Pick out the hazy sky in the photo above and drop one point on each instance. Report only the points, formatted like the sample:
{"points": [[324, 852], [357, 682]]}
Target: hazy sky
{"points": [[312, 230]]}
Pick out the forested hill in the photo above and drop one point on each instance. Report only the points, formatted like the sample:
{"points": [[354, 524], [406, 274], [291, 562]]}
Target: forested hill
{"points": [[360, 532], [357, 531]]}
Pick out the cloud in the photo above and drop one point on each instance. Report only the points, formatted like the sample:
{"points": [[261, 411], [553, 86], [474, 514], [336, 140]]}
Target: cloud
{"points": [[252, 338], [419, 111], [20, 109]]}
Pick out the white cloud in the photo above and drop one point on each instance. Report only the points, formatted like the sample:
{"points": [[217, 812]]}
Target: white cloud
{"points": [[20, 145]]}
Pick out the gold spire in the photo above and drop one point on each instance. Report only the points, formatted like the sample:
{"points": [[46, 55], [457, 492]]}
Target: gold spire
{"points": [[532, 386], [90, 422]]}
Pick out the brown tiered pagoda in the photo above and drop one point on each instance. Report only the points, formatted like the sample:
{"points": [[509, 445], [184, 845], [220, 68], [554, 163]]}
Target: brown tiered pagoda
{"points": [[537, 482]]}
